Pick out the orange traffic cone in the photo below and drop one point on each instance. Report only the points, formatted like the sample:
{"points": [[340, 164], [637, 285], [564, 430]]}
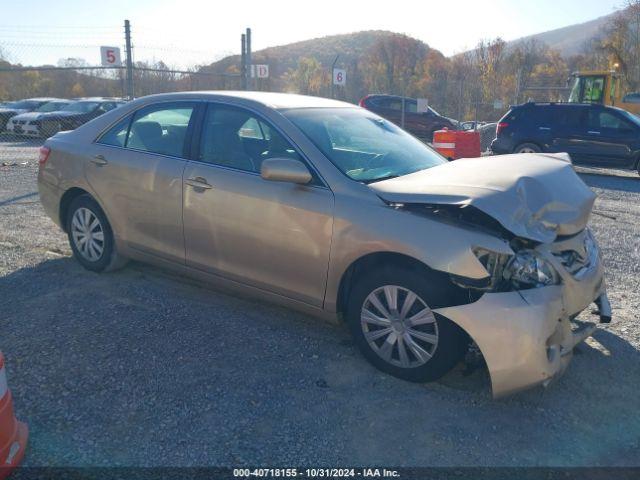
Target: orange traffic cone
{"points": [[13, 434]]}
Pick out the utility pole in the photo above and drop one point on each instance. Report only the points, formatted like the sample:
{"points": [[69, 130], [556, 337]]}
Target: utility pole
{"points": [[333, 66], [243, 61], [248, 60], [127, 38]]}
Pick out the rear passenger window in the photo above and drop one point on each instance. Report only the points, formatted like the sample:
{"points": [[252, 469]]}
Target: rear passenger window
{"points": [[117, 135], [161, 130], [570, 117]]}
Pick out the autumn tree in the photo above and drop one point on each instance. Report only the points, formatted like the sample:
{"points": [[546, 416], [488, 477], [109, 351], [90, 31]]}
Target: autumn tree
{"points": [[309, 78]]}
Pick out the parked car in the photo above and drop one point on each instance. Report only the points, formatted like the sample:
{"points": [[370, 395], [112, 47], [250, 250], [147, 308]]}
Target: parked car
{"points": [[422, 125], [591, 134], [21, 106], [329, 208], [73, 115], [30, 123]]}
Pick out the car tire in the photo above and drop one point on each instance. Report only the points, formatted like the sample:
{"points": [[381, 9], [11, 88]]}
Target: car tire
{"points": [[442, 344], [527, 148], [91, 236]]}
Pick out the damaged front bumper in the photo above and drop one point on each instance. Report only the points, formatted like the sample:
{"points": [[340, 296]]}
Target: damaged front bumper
{"points": [[527, 337]]}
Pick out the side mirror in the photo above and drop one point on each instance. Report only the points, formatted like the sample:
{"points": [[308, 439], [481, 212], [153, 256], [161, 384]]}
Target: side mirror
{"points": [[285, 170]]}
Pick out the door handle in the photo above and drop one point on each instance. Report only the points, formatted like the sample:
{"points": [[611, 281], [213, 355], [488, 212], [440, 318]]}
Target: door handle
{"points": [[593, 132], [544, 128], [198, 182], [99, 160]]}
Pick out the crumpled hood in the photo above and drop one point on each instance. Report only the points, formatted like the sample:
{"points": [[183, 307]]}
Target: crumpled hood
{"points": [[533, 195]]}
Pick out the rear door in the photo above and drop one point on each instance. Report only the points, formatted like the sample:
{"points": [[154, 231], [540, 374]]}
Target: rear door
{"points": [[567, 126], [136, 169]]}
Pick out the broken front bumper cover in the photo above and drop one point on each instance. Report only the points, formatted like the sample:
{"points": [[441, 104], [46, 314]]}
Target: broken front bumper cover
{"points": [[526, 336]]}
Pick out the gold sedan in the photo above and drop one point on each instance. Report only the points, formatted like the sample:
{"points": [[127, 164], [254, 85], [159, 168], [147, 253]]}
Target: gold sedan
{"points": [[328, 208]]}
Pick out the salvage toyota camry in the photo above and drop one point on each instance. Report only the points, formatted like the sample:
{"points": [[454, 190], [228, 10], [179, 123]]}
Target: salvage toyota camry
{"points": [[326, 207]]}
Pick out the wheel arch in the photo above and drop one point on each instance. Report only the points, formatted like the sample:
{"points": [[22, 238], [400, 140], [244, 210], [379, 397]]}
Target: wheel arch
{"points": [[378, 260], [522, 142], [65, 201]]}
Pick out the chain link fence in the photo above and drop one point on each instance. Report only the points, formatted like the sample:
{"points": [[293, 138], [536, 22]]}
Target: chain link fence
{"points": [[65, 62]]}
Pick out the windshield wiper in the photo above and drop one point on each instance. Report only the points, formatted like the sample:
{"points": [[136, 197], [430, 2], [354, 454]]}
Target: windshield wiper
{"points": [[380, 179]]}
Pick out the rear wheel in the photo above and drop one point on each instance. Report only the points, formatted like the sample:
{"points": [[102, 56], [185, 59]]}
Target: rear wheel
{"points": [[391, 320], [527, 148], [90, 236]]}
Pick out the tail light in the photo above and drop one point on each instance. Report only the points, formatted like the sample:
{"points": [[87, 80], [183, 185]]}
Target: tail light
{"points": [[501, 126], [43, 156], [361, 102]]}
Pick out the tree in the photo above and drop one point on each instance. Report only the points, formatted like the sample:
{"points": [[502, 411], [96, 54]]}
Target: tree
{"points": [[77, 90], [309, 78], [621, 43]]}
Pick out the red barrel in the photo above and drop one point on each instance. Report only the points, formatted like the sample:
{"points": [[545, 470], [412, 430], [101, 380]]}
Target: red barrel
{"points": [[454, 144], [13, 434]]}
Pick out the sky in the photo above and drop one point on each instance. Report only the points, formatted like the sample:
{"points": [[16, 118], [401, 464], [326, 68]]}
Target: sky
{"points": [[188, 32]]}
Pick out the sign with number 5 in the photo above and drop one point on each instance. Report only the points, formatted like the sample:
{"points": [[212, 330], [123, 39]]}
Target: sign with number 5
{"points": [[110, 56], [339, 76]]}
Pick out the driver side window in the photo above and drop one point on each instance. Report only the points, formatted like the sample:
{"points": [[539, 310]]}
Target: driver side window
{"points": [[236, 138]]}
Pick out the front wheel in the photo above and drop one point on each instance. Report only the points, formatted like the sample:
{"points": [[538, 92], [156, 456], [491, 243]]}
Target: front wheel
{"points": [[91, 237], [390, 317]]}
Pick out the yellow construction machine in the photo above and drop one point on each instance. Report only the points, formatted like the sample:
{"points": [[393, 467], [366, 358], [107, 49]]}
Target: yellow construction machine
{"points": [[604, 87]]}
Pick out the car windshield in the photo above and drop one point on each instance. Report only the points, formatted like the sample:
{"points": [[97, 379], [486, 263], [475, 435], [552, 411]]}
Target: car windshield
{"points": [[362, 145], [51, 106], [81, 107]]}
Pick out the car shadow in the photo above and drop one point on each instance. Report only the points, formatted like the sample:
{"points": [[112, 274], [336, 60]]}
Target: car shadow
{"points": [[144, 355]]}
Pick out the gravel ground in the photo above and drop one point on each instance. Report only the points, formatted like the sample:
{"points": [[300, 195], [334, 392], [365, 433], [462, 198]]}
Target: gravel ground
{"points": [[142, 368]]}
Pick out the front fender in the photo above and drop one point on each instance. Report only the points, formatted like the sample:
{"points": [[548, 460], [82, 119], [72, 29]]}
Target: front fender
{"points": [[362, 229]]}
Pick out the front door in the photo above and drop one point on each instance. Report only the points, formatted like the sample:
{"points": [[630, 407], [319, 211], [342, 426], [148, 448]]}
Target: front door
{"points": [[608, 138], [136, 171], [271, 235]]}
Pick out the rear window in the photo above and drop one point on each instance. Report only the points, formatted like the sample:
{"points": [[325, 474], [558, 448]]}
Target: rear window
{"points": [[570, 116]]}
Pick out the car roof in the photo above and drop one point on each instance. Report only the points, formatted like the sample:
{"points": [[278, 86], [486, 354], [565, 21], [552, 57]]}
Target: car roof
{"points": [[569, 104], [38, 99], [268, 99]]}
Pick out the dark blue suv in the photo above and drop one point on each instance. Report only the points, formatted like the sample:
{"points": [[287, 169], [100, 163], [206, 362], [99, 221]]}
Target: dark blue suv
{"points": [[591, 134]]}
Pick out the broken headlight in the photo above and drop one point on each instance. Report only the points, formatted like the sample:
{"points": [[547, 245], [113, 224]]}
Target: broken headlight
{"points": [[525, 269], [528, 269]]}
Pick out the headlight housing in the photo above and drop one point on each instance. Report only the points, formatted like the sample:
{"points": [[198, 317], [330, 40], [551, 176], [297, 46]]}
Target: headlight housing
{"points": [[525, 269], [528, 269]]}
